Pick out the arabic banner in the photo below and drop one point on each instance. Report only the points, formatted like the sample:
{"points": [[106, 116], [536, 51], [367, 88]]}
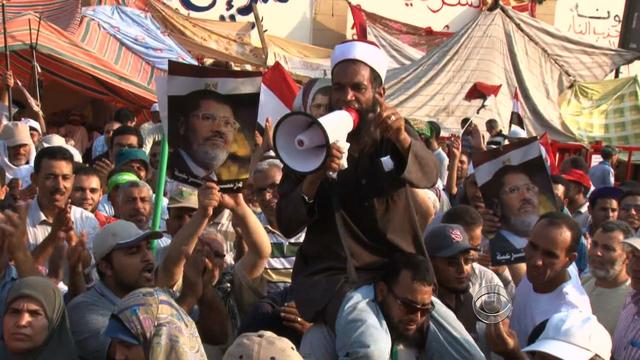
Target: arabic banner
{"points": [[595, 21], [604, 110], [211, 120], [515, 185]]}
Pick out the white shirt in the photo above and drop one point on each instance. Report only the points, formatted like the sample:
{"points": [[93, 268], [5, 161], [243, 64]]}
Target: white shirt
{"points": [[443, 164], [151, 133], [38, 227], [531, 308]]}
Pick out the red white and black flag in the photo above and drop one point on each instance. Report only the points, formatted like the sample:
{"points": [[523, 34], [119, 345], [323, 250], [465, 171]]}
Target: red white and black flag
{"points": [[516, 122]]}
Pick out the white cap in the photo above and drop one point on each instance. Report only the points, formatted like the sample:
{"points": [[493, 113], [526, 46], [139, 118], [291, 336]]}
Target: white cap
{"points": [[633, 242], [32, 124], [573, 335], [365, 51], [155, 108], [119, 234]]}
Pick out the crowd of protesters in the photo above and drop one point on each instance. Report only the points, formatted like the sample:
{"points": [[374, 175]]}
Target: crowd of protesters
{"points": [[382, 262]]}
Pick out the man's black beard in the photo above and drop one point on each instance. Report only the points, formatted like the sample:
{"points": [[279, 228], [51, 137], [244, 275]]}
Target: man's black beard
{"points": [[417, 340]]}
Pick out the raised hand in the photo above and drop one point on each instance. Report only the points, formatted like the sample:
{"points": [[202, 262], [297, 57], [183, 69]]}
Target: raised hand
{"points": [[209, 196], [390, 123]]}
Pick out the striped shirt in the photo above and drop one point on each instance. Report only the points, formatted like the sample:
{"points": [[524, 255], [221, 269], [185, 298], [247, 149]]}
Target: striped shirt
{"points": [[626, 339], [283, 254]]}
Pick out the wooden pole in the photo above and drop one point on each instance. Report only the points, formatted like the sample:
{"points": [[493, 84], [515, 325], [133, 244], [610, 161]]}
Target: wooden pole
{"points": [[263, 41], [7, 58], [34, 63]]}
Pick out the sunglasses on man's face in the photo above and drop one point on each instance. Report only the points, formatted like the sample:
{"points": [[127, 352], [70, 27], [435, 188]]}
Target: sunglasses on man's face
{"points": [[410, 307]]}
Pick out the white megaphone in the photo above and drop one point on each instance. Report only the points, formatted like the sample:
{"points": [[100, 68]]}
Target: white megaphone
{"points": [[301, 141]]}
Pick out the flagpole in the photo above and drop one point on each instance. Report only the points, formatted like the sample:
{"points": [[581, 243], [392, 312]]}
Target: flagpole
{"points": [[160, 183], [263, 40], [7, 57]]}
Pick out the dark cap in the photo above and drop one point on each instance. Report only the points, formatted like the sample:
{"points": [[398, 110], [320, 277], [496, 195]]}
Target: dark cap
{"points": [[608, 151], [605, 192], [125, 155], [445, 240]]}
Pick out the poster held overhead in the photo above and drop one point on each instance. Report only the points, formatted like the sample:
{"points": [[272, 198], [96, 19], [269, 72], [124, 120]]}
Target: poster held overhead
{"points": [[515, 185], [211, 120]]}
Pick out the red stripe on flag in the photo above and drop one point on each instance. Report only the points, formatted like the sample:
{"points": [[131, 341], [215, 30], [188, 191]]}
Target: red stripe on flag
{"points": [[278, 80]]}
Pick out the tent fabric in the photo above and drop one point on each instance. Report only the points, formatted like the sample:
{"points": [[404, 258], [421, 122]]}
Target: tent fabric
{"points": [[403, 43], [94, 38], [65, 61], [606, 110], [220, 40], [508, 48], [139, 32], [65, 14], [136, 4], [298, 58]]}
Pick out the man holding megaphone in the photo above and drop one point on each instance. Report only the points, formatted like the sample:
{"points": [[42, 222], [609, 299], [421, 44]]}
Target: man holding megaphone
{"points": [[360, 218]]}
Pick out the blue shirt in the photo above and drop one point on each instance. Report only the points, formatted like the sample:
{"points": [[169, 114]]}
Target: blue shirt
{"points": [[602, 174]]}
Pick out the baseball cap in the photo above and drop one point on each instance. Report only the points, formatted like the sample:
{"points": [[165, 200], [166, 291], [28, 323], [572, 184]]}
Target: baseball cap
{"points": [[573, 335], [183, 196], [15, 133], [125, 155], [117, 235], [261, 345], [605, 192], [31, 124], [121, 178], [578, 176], [444, 240], [633, 242]]}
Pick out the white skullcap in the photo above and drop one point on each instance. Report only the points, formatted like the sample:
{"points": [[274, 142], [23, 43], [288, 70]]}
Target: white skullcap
{"points": [[155, 108], [364, 51]]}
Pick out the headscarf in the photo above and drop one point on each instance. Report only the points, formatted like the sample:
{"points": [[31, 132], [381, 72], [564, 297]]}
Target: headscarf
{"points": [[58, 344], [305, 96], [162, 326], [22, 172]]}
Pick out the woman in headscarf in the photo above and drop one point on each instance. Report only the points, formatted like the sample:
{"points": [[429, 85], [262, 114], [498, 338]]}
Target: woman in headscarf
{"points": [[148, 324], [35, 324], [313, 98]]}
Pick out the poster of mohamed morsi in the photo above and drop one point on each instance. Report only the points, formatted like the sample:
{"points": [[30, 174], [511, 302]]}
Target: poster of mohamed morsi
{"points": [[211, 120], [515, 184]]}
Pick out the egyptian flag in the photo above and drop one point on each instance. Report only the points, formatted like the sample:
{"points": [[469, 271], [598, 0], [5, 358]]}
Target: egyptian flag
{"points": [[484, 91], [277, 93], [516, 122]]}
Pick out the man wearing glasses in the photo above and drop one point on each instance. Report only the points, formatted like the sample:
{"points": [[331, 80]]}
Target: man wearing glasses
{"points": [[459, 276], [517, 207], [207, 126], [417, 323], [630, 210]]}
